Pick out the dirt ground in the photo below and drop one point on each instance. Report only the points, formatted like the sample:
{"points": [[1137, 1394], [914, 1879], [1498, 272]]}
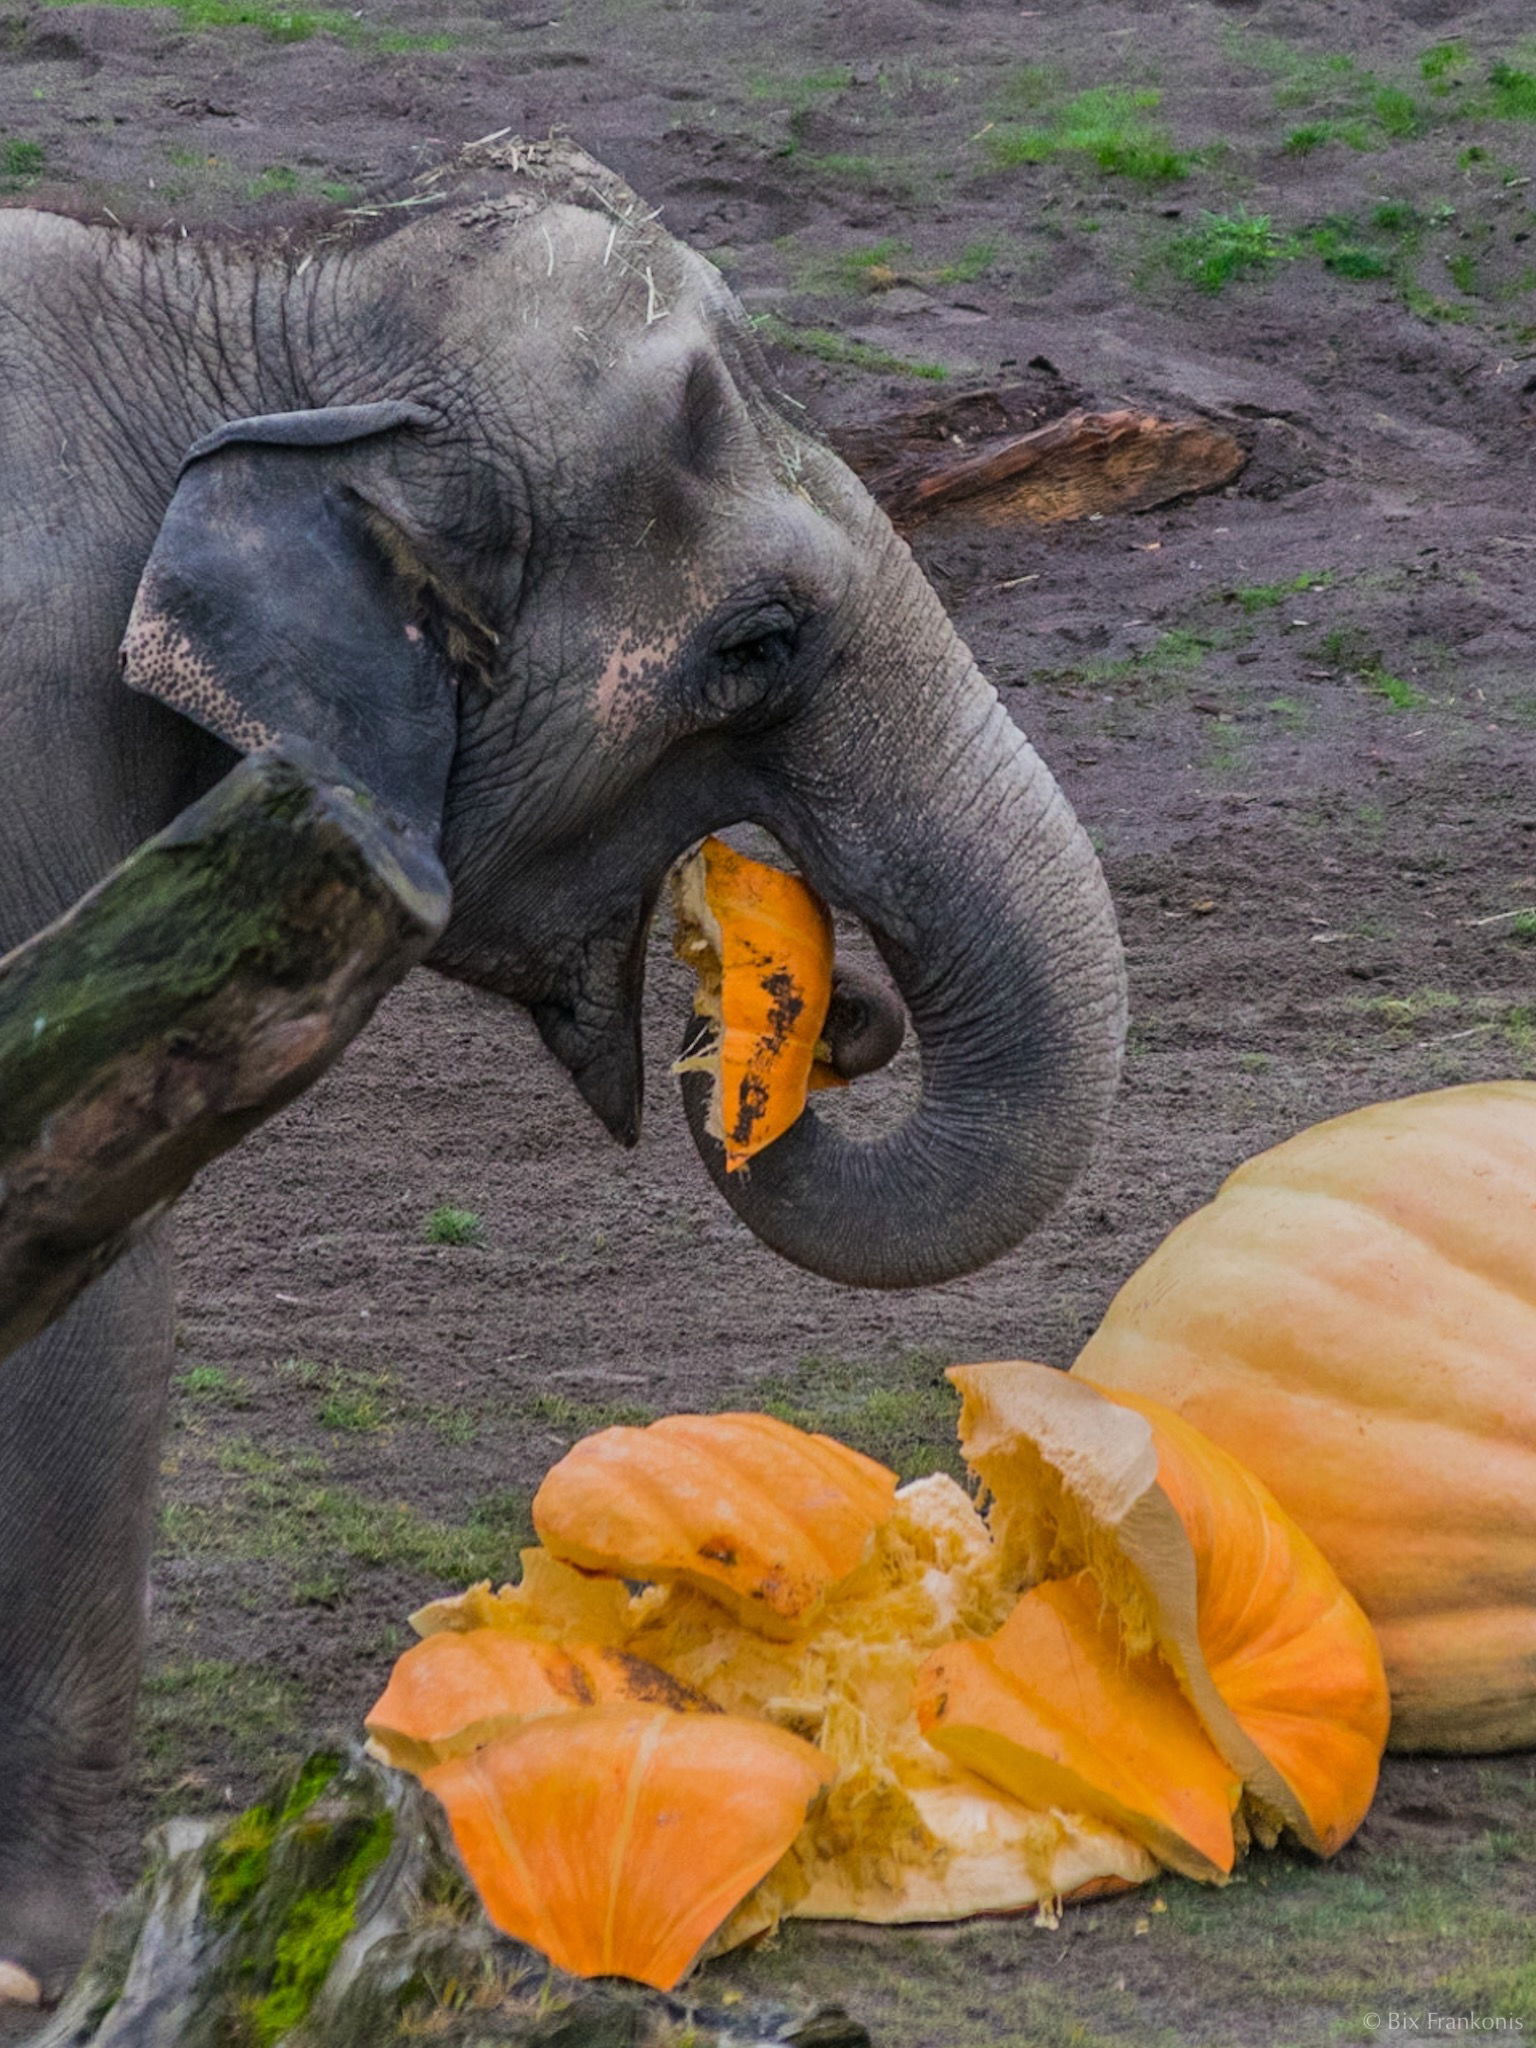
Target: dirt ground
{"points": [[1299, 717]]}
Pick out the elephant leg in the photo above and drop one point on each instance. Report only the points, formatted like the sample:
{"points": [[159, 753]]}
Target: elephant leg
{"points": [[81, 1413]]}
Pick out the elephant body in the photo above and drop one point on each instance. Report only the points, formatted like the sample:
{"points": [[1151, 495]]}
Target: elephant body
{"points": [[488, 495]]}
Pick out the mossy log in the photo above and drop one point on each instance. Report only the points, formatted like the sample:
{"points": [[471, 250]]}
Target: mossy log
{"points": [[334, 1914], [1087, 462], [199, 987]]}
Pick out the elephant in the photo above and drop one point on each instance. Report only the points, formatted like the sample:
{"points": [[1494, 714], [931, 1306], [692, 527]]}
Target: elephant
{"points": [[489, 495]]}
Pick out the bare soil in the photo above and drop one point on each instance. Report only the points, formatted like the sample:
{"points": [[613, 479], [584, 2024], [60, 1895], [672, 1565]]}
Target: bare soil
{"points": [[1299, 717]]}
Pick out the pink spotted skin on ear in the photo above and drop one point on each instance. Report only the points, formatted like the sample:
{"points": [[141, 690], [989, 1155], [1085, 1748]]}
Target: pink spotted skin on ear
{"points": [[160, 660]]}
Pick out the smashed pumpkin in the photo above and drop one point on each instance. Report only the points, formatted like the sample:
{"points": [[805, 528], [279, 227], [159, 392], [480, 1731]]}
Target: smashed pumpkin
{"points": [[617, 1841], [977, 1751], [760, 942], [1354, 1317], [452, 1693], [1052, 1710], [765, 1517], [1203, 1566]]}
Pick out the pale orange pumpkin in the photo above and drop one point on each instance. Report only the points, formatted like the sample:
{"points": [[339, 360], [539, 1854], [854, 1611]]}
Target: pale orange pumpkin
{"points": [[760, 942], [1201, 1564], [766, 1518], [1354, 1317], [617, 1840]]}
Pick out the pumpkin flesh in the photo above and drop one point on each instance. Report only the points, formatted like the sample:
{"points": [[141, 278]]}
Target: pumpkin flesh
{"points": [[1201, 1563], [1053, 1711]]}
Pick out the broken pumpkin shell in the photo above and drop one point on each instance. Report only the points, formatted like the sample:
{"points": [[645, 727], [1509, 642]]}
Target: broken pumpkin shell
{"points": [[764, 1517], [760, 942], [1200, 1562], [453, 1692], [616, 1840], [1052, 1710]]}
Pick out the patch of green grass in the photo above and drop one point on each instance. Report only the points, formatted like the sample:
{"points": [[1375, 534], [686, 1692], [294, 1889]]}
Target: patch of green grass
{"points": [[1523, 927], [214, 1385], [1293, 715], [1463, 270], [1442, 59], [450, 1225], [580, 1418], [900, 1410], [1511, 93], [1263, 597], [21, 162], [1254, 1062], [1317, 134], [1107, 126], [1400, 694], [271, 1518], [1224, 246], [830, 347], [357, 1401], [281, 24], [212, 1706], [974, 261], [1396, 112], [797, 90], [1345, 253]]}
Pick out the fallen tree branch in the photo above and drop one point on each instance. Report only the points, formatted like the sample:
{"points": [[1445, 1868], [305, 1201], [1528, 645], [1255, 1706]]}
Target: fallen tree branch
{"points": [[1084, 464], [202, 985]]}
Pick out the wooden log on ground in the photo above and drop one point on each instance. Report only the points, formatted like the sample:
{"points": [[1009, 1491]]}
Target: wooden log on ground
{"points": [[199, 987], [1086, 462]]}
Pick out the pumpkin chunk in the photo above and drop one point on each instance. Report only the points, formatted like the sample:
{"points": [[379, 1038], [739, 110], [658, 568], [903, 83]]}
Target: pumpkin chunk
{"points": [[904, 1833], [765, 1518], [453, 1692], [617, 1841], [1201, 1563], [760, 943], [1354, 1317], [1052, 1710]]}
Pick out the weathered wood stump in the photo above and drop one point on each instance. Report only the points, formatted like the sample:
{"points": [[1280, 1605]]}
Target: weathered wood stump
{"points": [[201, 986], [989, 456], [334, 1915]]}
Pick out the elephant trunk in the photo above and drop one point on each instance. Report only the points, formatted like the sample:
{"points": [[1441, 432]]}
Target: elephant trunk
{"points": [[992, 914]]}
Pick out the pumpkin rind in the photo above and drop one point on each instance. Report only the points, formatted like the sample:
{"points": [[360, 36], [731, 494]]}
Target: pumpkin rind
{"points": [[760, 942], [617, 1841], [764, 1517], [453, 1692], [1052, 1710], [1201, 1562], [1353, 1316]]}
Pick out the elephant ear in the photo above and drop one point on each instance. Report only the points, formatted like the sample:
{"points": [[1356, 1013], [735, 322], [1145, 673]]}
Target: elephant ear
{"points": [[280, 602]]}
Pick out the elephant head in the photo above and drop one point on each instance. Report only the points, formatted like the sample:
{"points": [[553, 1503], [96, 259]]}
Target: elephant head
{"points": [[531, 547]]}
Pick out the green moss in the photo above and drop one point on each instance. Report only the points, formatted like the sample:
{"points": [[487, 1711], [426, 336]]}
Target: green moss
{"points": [[239, 1859], [314, 1928]]}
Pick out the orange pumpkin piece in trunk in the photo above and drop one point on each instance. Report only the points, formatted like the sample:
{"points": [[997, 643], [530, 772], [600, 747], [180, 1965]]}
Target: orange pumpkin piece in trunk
{"points": [[451, 1693], [1051, 1710], [765, 1518], [760, 942], [617, 1841]]}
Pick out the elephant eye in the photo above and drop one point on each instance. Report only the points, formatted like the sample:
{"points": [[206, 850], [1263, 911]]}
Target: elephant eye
{"points": [[760, 645]]}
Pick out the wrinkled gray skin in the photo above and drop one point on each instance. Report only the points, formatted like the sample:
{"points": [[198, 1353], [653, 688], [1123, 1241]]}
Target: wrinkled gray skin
{"points": [[573, 592]]}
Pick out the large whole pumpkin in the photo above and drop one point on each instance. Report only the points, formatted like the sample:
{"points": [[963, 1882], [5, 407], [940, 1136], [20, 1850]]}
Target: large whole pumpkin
{"points": [[1354, 1317]]}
